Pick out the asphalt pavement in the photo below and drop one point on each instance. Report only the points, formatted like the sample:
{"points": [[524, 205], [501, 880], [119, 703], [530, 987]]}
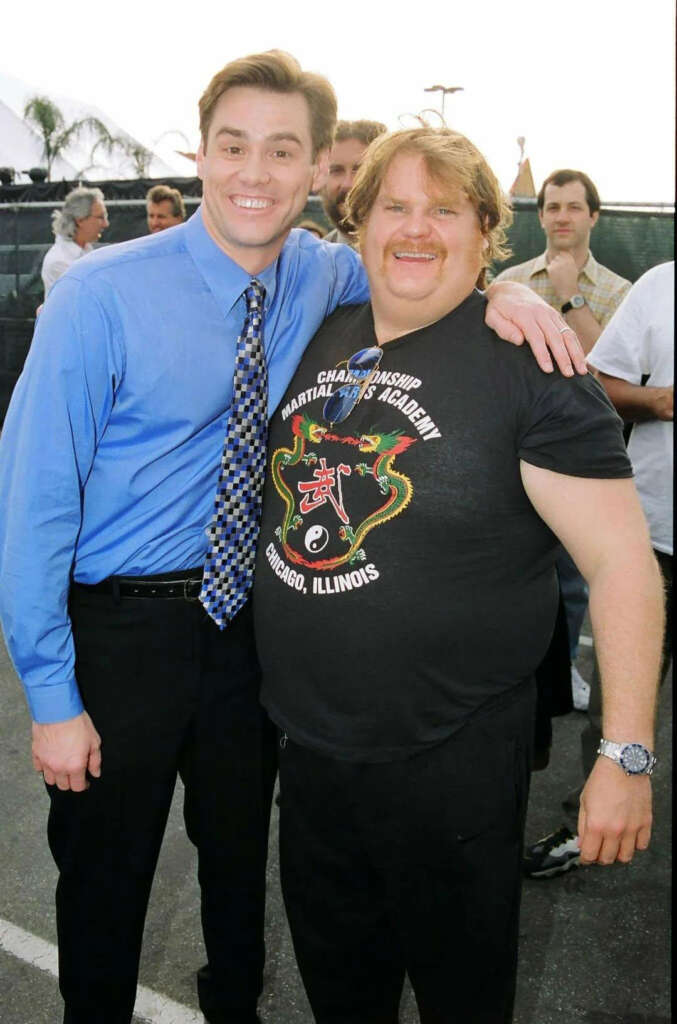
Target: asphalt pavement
{"points": [[594, 947]]}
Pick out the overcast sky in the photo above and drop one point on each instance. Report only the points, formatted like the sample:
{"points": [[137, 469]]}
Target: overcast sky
{"points": [[588, 83]]}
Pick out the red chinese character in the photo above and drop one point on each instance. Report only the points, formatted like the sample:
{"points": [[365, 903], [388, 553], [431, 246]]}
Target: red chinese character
{"points": [[321, 489]]}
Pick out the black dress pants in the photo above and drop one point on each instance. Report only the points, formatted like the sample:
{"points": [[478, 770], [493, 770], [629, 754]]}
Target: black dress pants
{"points": [[413, 866], [170, 694]]}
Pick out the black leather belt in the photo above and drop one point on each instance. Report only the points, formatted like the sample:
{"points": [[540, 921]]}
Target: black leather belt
{"points": [[186, 589]]}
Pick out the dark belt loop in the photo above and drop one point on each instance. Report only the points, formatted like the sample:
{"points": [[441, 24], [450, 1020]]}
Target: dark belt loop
{"points": [[115, 586]]}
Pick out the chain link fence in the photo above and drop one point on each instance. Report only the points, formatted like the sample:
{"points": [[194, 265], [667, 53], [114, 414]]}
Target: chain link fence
{"points": [[629, 238]]}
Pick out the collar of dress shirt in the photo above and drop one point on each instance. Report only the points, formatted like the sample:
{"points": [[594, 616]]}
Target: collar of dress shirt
{"points": [[67, 245], [590, 268], [226, 279]]}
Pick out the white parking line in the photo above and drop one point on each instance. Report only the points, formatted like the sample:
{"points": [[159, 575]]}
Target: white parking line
{"points": [[149, 1006]]}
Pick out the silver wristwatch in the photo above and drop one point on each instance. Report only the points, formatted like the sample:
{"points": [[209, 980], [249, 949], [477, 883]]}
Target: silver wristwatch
{"points": [[633, 758]]}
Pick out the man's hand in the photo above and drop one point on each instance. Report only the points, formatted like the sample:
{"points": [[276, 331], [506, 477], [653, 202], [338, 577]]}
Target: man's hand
{"points": [[515, 312], [65, 751], [563, 274], [615, 814]]}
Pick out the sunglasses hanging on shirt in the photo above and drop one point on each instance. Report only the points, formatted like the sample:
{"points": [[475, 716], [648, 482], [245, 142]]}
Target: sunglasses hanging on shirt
{"points": [[362, 367]]}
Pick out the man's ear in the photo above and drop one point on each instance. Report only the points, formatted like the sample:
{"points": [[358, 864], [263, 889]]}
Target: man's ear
{"points": [[595, 218], [321, 172], [200, 156]]}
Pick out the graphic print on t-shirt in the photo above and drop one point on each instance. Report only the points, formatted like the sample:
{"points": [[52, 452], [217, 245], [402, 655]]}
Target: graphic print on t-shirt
{"points": [[332, 487], [336, 488]]}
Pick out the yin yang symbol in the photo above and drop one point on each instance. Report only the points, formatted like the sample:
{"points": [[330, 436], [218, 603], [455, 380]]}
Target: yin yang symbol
{"points": [[316, 539]]}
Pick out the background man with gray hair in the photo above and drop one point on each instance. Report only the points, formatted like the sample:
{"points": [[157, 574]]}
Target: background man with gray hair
{"points": [[78, 224]]}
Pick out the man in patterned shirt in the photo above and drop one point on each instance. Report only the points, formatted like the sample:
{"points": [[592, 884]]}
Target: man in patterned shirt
{"points": [[571, 280], [567, 275]]}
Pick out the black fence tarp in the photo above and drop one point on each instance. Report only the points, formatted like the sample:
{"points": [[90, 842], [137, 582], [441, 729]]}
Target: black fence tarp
{"points": [[56, 191], [629, 241]]}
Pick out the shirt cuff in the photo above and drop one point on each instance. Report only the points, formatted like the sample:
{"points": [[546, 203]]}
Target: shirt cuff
{"points": [[54, 703]]}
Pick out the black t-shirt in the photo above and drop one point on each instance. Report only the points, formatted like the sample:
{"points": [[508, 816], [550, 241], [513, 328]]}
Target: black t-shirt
{"points": [[403, 577]]}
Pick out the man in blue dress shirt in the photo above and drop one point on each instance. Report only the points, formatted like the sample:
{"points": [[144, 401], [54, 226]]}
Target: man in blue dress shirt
{"points": [[110, 462]]}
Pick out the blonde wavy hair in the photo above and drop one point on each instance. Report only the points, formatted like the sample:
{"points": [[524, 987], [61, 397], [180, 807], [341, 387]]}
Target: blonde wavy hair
{"points": [[453, 162]]}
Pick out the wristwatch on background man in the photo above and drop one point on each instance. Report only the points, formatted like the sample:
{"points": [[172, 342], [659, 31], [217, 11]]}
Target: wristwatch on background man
{"points": [[633, 758], [575, 302]]}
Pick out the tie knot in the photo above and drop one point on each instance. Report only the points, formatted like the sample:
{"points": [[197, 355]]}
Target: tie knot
{"points": [[254, 295]]}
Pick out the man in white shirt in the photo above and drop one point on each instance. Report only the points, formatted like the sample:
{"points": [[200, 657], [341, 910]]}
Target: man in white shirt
{"points": [[80, 222], [634, 360]]}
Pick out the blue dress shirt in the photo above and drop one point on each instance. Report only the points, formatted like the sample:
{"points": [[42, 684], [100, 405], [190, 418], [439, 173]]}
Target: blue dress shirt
{"points": [[110, 451]]}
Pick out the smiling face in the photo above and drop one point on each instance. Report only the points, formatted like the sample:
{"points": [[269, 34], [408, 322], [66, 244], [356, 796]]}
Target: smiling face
{"points": [[421, 246], [161, 215], [90, 228], [566, 218], [257, 168]]}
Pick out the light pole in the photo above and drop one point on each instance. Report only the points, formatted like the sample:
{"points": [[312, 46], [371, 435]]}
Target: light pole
{"points": [[445, 90]]}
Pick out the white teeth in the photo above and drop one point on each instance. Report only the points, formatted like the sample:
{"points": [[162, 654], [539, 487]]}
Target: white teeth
{"points": [[252, 204], [415, 255]]}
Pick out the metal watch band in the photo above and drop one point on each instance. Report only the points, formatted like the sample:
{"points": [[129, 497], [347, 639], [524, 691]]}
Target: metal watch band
{"points": [[625, 754]]}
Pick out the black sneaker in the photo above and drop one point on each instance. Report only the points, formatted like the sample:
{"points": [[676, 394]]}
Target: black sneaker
{"points": [[552, 855]]}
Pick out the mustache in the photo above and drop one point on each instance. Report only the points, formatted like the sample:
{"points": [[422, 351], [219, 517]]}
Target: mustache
{"points": [[428, 249]]}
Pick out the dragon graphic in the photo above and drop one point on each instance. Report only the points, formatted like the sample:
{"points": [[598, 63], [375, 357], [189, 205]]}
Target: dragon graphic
{"points": [[393, 486]]}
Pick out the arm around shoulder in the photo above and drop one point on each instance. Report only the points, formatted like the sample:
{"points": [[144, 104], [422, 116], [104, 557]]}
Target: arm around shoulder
{"points": [[516, 313]]}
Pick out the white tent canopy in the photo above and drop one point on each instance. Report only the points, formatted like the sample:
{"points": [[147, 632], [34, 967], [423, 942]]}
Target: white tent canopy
{"points": [[21, 146]]}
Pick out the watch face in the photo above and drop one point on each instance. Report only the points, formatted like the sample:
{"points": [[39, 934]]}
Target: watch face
{"points": [[635, 758], [577, 301]]}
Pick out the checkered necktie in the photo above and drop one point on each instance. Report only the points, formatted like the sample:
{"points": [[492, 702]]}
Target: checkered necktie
{"points": [[234, 529]]}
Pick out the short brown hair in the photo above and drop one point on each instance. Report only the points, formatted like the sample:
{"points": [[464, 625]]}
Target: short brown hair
{"points": [[451, 160], [364, 131], [162, 193], [276, 71], [564, 177]]}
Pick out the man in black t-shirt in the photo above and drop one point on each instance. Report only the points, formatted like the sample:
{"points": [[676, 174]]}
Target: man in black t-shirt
{"points": [[421, 474]]}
